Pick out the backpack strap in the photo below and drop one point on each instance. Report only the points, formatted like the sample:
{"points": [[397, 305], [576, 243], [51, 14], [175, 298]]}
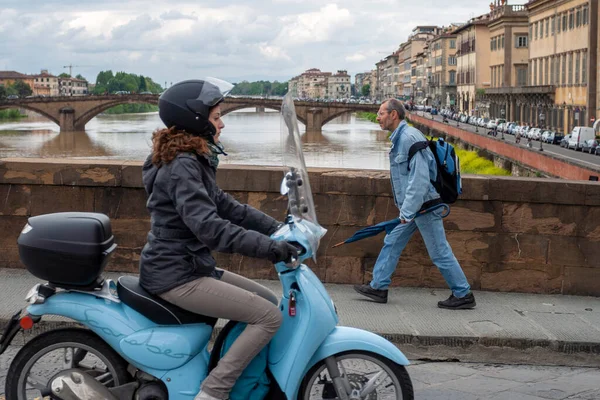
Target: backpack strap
{"points": [[417, 146]]}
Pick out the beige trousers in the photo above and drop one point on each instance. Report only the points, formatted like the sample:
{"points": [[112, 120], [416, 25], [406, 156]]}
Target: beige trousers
{"points": [[235, 298]]}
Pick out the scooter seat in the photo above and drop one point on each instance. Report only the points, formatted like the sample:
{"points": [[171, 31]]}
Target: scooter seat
{"points": [[153, 307]]}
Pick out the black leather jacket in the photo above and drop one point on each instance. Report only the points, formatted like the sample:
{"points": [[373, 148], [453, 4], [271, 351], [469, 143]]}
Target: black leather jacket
{"points": [[191, 216]]}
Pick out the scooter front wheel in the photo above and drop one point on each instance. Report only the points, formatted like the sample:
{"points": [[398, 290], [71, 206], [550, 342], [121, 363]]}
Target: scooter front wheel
{"points": [[365, 375]]}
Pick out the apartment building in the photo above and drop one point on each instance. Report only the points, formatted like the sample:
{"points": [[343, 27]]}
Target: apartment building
{"points": [[316, 84], [509, 60], [45, 84], [442, 76], [10, 77], [388, 77], [408, 64], [563, 58], [338, 85], [72, 87], [473, 68]]}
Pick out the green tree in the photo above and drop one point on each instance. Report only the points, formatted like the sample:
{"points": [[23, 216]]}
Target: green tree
{"points": [[143, 86], [3, 93], [23, 89], [260, 88], [365, 90], [79, 76], [64, 75]]}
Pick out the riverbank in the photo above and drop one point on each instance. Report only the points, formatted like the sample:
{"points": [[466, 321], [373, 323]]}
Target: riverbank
{"points": [[10, 114]]}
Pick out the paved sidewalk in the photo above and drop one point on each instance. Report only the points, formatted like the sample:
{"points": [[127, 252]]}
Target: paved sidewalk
{"points": [[505, 327]]}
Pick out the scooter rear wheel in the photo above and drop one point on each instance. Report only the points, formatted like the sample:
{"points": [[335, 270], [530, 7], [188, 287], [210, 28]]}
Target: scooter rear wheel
{"points": [[51, 352], [389, 381]]}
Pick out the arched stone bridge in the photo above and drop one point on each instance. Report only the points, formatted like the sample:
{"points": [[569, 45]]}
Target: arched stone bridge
{"points": [[72, 113]]}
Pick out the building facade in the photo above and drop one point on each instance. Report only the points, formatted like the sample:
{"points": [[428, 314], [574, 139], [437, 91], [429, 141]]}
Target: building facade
{"points": [[361, 79], [10, 77], [443, 62], [316, 84], [311, 84], [473, 68], [562, 56], [373, 83], [509, 61], [72, 87], [387, 77], [339, 86], [45, 84]]}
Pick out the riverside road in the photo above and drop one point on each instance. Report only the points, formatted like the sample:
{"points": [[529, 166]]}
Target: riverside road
{"points": [[584, 159]]}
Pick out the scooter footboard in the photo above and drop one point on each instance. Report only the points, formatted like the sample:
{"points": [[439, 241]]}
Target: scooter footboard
{"points": [[344, 338]]}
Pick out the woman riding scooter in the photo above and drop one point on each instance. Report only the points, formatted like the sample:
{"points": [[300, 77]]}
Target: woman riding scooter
{"points": [[191, 216]]}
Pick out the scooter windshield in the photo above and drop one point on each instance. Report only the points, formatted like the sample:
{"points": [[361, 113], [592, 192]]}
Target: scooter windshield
{"points": [[300, 200]]}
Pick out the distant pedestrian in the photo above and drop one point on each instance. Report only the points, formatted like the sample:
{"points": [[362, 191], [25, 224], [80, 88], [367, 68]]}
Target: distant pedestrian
{"points": [[413, 191]]}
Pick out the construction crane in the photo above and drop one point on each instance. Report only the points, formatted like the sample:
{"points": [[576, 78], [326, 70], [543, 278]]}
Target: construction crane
{"points": [[70, 66]]}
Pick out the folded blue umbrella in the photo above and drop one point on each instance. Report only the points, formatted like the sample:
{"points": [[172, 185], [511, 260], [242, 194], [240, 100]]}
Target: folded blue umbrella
{"points": [[372, 230], [388, 226]]}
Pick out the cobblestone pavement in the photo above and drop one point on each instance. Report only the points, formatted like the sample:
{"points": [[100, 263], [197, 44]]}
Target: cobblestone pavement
{"points": [[474, 381]]}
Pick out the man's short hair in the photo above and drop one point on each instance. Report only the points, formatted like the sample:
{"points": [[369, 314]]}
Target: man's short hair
{"points": [[395, 105]]}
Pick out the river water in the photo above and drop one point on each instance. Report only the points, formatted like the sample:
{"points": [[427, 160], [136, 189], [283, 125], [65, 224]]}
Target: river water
{"points": [[250, 138]]}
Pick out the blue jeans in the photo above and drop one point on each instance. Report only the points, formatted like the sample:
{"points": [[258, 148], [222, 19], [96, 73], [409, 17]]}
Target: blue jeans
{"points": [[432, 230]]}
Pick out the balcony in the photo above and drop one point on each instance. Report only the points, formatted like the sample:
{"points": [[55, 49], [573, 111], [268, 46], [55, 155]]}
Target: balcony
{"points": [[546, 89], [509, 11]]}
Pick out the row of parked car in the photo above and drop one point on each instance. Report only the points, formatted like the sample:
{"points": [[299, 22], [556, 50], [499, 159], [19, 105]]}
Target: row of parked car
{"points": [[581, 138]]}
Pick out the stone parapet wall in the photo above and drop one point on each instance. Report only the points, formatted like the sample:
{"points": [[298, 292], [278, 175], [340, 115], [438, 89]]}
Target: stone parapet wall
{"points": [[510, 234]]}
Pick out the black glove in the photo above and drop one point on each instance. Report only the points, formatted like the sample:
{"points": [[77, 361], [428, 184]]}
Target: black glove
{"points": [[282, 251], [274, 228]]}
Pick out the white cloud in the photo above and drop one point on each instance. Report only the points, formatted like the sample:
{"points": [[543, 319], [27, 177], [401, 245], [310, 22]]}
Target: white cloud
{"points": [[170, 40], [273, 52], [317, 26], [356, 57]]}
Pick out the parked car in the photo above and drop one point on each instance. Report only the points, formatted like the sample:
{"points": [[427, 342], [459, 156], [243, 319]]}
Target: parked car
{"points": [[555, 137], [536, 133], [491, 124], [589, 146], [564, 142], [545, 136], [12, 97]]}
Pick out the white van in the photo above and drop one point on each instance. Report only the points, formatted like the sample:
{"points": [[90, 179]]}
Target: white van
{"points": [[579, 135]]}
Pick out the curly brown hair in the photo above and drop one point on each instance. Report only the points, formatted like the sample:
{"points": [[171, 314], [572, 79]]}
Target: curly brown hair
{"points": [[167, 142]]}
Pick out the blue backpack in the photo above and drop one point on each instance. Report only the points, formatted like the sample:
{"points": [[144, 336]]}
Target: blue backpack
{"points": [[447, 183], [254, 383]]}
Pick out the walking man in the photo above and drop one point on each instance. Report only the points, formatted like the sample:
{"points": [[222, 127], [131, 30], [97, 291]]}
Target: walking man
{"points": [[412, 189]]}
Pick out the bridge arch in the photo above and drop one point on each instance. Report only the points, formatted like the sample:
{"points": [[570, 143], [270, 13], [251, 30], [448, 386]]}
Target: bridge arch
{"points": [[93, 112], [31, 108], [226, 109], [335, 114]]}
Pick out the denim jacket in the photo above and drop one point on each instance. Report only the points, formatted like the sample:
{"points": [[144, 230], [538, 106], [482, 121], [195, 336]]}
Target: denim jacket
{"points": [[411, 188]]}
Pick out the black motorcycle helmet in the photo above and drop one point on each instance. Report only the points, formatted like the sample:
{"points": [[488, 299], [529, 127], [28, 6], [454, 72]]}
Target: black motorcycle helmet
{"points": [[186, 106]]}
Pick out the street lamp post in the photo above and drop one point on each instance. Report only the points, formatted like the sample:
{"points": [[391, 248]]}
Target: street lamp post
{"points": [[542, 117], [502, 113]]}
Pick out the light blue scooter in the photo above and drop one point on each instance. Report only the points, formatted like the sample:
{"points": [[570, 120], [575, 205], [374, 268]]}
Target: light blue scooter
{"points": [[137, 346]]}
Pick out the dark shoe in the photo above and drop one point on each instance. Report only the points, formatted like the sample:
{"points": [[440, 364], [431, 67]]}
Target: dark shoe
{"points": [[458, 303], [379, 296]]}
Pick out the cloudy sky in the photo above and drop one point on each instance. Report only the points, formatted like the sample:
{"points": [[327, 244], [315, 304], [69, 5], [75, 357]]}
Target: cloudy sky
{"points": [[231, 39]]}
